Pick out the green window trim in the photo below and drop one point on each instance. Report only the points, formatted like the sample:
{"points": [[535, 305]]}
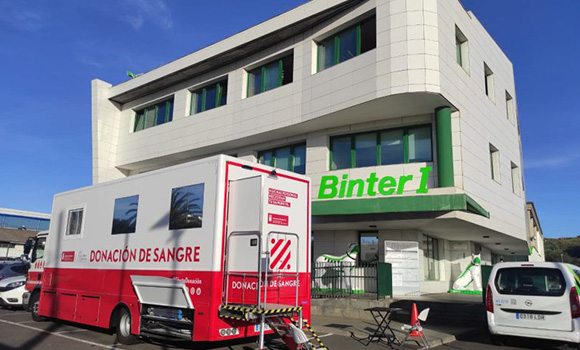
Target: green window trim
{"points": [[141, 115], [406, 158], [292, 156], [336, 59], [262, 71], [220, 88]]}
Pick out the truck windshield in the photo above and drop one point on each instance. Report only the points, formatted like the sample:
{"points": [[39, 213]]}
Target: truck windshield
{"points": [[38, 252], [530, 281]]}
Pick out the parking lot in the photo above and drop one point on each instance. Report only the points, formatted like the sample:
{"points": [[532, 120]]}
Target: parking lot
{"points": [[19, 332]]}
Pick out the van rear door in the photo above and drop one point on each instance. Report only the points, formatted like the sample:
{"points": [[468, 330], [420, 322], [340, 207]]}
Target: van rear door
{"points": [[532, 297]]}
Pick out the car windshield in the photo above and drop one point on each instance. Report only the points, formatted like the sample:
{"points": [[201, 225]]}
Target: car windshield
{"points": [[530, 281]]}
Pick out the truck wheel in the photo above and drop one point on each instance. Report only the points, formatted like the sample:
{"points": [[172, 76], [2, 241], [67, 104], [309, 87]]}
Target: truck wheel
{"points": [[34, 303], [124, 335]]}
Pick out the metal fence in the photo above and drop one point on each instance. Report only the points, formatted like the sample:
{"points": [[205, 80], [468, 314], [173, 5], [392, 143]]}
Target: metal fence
{"points": [[344, 280]]}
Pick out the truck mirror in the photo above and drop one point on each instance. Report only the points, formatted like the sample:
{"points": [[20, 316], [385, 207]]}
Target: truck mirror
{"points": [[28, 245]]}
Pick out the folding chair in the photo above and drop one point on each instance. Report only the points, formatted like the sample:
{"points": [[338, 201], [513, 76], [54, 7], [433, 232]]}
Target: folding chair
{"points": [[408, 329]]}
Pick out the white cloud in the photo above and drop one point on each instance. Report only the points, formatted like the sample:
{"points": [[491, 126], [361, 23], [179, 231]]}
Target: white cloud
{"points": [[22, 18], [552, 162], [138, 12]]}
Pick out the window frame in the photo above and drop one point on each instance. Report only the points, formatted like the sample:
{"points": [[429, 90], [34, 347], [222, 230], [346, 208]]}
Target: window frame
{"points": [[516, 179], [69, 209], [510, 108], [461, 49], [378, 146], [221, 85], [495, 172], [170, 101], [113, 233], [262, 68], [173, 190], [489, 82], [336, 40], [435, 257], [292, 156]]}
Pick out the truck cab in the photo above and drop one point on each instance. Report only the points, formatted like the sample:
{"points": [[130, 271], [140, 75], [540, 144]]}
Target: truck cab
{"points": [[35, 249]]}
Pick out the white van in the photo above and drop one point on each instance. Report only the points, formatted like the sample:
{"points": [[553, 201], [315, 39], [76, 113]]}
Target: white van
{"points": [[537, 300]]}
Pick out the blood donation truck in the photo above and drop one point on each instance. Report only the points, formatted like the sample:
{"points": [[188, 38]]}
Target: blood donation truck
{"points": [[209, 250]]}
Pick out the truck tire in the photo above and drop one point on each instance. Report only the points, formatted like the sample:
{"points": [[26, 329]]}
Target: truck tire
{"points": [[34, 303], [123, 328]]}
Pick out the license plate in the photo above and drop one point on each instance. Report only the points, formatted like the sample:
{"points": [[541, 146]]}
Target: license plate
{"points": [[533, 317]]}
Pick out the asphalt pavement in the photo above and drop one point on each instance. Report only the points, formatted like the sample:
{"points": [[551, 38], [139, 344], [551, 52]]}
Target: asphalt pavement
{"points": [[19, 332]]}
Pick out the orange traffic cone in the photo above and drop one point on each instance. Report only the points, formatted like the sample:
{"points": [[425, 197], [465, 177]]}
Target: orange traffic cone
{"points": [[414, 320]]}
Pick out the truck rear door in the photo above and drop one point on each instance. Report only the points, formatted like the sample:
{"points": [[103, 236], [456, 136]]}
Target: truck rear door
{"points": [[532, 297]]}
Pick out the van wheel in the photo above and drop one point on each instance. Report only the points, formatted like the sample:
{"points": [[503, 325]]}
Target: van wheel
{"points": [[34, 303], [124, 335]]}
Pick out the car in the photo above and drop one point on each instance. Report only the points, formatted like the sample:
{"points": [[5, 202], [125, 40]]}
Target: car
{"points": [[535, 300], [13, 268], [11, 290]]}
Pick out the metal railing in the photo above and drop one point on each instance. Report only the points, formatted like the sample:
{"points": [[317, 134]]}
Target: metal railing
{"points": [[344, 280]]}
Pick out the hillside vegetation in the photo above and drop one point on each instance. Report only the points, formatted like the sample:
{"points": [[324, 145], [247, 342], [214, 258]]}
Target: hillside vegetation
{"points": [[570, 247]]}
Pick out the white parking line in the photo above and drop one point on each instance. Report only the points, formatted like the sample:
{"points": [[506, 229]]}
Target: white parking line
{"points": [[113, 347], [71, 331], [15, 313], [31, 321], [323, 336]]}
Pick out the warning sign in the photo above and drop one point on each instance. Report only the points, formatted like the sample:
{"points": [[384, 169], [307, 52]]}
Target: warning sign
{"points": [[276, 219], [280, 198]]}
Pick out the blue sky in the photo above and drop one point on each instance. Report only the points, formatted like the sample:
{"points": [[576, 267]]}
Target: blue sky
{"points": [[51, 50]]}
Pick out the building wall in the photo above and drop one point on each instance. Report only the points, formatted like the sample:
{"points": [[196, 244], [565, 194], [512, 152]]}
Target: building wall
{"points": [[481, 120]]}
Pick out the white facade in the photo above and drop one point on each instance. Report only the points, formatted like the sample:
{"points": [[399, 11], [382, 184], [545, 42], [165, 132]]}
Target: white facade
{"points": [[412, 71]]}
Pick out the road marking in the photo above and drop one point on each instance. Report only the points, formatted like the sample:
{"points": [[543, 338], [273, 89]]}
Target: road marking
{"points": [[31, 321], [71, 331], [113, 347], [323, 336]]}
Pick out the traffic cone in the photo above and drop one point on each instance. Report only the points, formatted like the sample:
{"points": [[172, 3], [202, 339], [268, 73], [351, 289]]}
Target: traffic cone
{"points": [[414, 317]]}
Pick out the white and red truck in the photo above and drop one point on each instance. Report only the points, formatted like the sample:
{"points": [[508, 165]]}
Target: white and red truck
{"points": [[209, 250]]}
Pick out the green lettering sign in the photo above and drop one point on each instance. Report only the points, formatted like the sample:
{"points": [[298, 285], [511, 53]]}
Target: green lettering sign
{"points": [[331, 187]]}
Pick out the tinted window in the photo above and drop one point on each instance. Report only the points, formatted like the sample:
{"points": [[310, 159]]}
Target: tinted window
{"points": [[420, 144], [365, 146], [392, 148], [530, 281], [341, 158], [347, 44], [186, 207], [20, 269], [125, 215]]}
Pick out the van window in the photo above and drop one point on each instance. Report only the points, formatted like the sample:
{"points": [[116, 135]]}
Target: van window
{"points": [[530, 281], [125, 215], [74, 222], [186, 207]]}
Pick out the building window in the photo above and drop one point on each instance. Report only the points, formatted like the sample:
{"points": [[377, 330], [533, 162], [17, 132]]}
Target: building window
{"points": [[154, 115], [125, 215], [396, 146], [369, 247], [489, 87], [209, 97], [347, 44], [291, 158], [186, 207], [516, 183], [431, 258], [510, 108], [271, 75], [75, 222], [461, 48], [494, 160]]}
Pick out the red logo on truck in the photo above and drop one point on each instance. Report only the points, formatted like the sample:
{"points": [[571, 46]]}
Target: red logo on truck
{"points": [[280, 254], [67, 256]]}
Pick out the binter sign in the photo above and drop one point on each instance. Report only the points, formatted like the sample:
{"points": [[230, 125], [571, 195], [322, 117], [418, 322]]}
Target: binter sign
{"points": [[332, 187]]}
